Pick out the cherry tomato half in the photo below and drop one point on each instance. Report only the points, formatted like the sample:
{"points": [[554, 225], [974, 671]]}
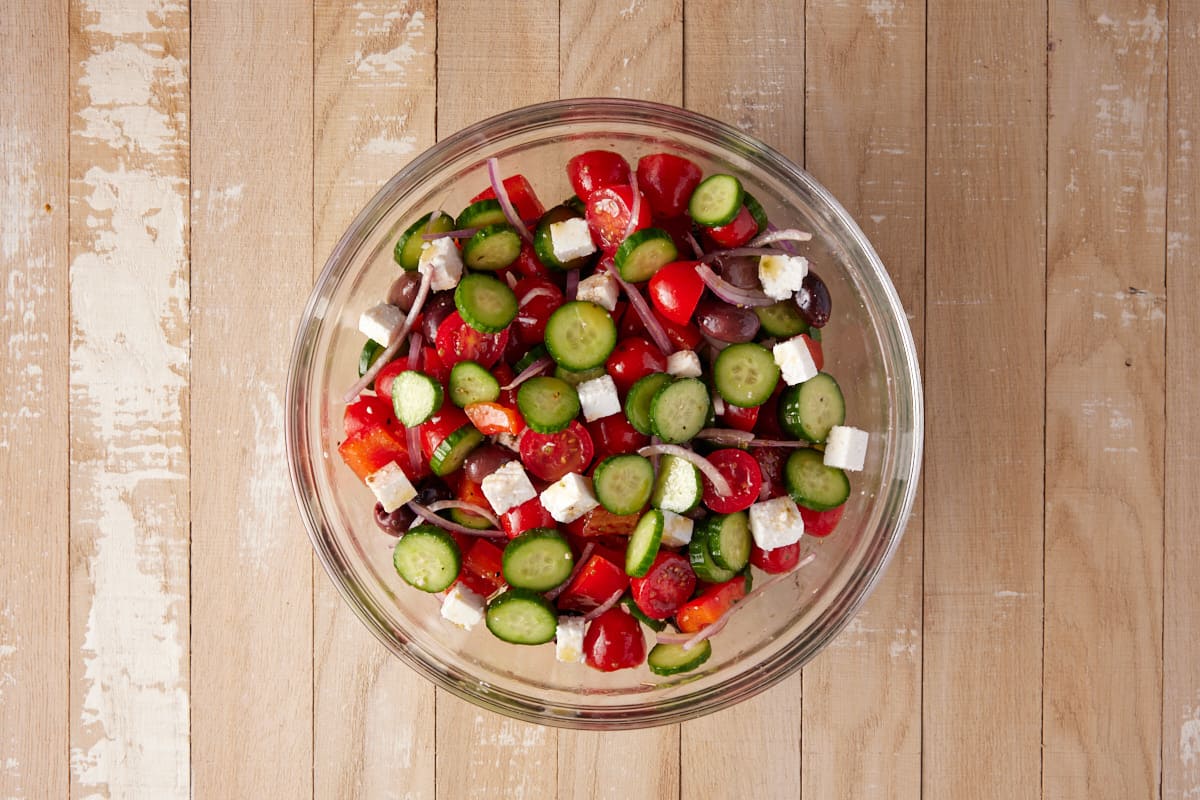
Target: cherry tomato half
{"points": [[734, 233], [383, 380], [740, 418], [528, 264], [457, 341], [781, 559], [596, 169], [549, 456], [537, 299], [633, 359], [745, 480], [668, 181], [608, 213], [682, 337], [614, 640], [599, 580], [482, 568], [369, 411], [675, 291], [667, 586], [821, 523], [445, 422], [614, 435], [815, 350]]}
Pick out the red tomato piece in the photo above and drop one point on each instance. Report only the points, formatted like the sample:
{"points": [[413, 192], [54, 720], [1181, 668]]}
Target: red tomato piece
{"points": [[683, 337], [742, 419], [599, 580], [445, 422], [675, 291], [525, 517], [613, 435], [537, 299], [433, 366], [549, 456], [371, 449], [767, 426], [528, 264], [482, 568], [668, 181], [821, 523], [781, 559], [608, 212], [596, 169], [383, 380], [520, 193], [600, 522], [736, 232], [457, 341], [633, 359], [678, 228], [745, 481], [492, 418], [368, 411], [614, 640], [770, 465], [503, 373], [696, 615], [815, 350], [666, 587]]}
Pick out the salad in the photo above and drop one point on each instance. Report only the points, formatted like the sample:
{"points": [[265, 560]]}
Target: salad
{"points": [[606, 416]]}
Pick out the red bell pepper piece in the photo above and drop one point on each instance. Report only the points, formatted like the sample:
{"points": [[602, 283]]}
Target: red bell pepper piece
{"points": [[696, 615], [371, 449], [599, 580], [492, 418], [482, 568], [521, 193], [525, 517]]}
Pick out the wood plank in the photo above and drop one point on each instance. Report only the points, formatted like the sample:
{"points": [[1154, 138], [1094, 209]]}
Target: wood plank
{"points": [[374, 96], [34, 634], [481, 754], [1104, 399], [619, 50], [252, 245], [744, 64], [865, 140], [985, 259], [1181, 591], [129, 400]]}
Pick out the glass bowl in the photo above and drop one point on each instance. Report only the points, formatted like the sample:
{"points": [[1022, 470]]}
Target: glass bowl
{"points": [[869, 348]]}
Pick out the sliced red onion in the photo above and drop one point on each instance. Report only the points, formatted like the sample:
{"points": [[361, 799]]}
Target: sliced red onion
{"points": [[718, 404], [465, 233], [778, 443], [715, 344], [538, 291], [605, 606], [510, 213], [788, 247], [510, 279], [738, 252], [785, 235], [639, 304], [412, 434], [398, 338], [703, 464], [726, 436], [414, 350], [583, 557], [637, 205], [432, 518], [730, 293], [572, 284], [533, 369], [696, 248], [462, 505]]}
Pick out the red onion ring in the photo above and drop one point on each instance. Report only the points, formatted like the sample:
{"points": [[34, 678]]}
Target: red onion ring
{"points": [[462, 505], [398, 337], [583, 558], [533, 369], [639, 304], [738, 252], [785, 235], [707, 467], [637, 205], [412, 434], [605, 606], [727, 436], [510, 213], [465, 233], [730, 293], [432, 518], [696, 248], [572, 284]]}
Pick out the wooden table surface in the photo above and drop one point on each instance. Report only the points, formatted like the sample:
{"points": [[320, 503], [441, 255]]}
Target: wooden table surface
{"points": [[173, 177]]}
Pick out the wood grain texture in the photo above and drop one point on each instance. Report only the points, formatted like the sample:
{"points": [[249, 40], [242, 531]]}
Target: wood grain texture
{"points": [[374, 100], [34, 732], [129, 426], [865, 141], [744, 64], [1181, 590], [252, 242], [1104, 399], [480, 754], [985, 264]]}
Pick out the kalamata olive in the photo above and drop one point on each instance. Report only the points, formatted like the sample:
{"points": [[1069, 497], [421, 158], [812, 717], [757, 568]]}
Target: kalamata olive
{"points": [[440, 306], [404, 290], [485, 460], [431, 490], [393, 523], [726, 322], [741, 272], [814, 301]]}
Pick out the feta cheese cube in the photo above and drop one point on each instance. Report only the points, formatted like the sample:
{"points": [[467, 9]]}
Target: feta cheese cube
{"points": [[463, 607], [846, 448], [509, 441], [598, 398], [684, 364], [378, 322], [782, 276], [571, 239], [600, 289], [776, 523], [569, 498], [508, 487], [795, 361], [568, 640], [677, 530], [391, 486], [441, 258]]}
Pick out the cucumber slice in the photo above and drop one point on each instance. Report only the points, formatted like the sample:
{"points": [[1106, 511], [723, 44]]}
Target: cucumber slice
{"points": [[623, 483], [547, 404], [717, 200], [471, 383], [370, 351], [408, 248], [538, 560], [812, 484], [520, 616], [580, 335], [679, 410], [782, 319], [543, 244], [729, 540], [672, 659], [644, 253], [526, 361], [485, 303], [632, 607], [703, 565], [809, 410], [415, 397], [469, 519], [678, 486], [745, 374], [575, 204], [454, 449], [756, 210], [637, 402], [481, 214], [644, 543], [427, 557], [575, 378], [492, 247]]}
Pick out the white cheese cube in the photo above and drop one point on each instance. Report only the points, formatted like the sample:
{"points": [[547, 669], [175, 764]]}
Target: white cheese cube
{"points": [[776, 523], [391, 486], [508, 487], [571, 239], [677, 530], [568, 640], [379, 322], [782, 276], [795, 361], [441, 258], [846, 448], [508, 440], [598, 398], [569, 498], [684, 364], [600, 289], [463, 607]]}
